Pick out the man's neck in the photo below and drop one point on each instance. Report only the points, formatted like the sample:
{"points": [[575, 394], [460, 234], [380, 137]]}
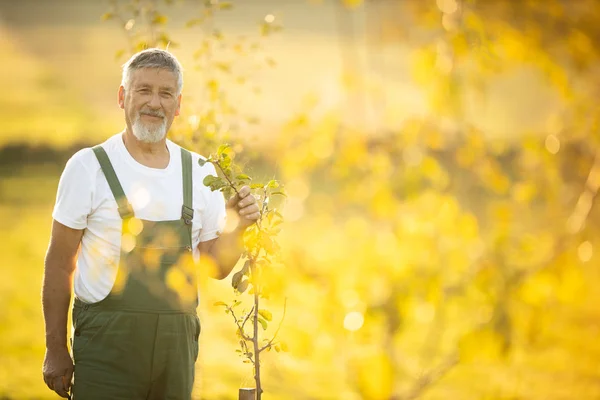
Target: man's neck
{"points": [[152, 155]]}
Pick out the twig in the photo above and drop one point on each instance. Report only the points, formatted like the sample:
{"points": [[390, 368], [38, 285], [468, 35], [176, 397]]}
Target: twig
{"points": [[247, 317], [226, 177], [240, 327]]}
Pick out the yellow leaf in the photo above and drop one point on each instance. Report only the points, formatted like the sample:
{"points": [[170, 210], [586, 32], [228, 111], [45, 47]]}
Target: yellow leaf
{"points": [[159, 19], [266, 314]]}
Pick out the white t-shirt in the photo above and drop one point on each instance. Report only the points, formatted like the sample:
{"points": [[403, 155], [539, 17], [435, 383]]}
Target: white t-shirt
{"points": [[85, 201]]}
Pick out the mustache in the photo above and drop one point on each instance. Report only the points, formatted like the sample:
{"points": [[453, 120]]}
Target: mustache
{"points": [[152, 113]]}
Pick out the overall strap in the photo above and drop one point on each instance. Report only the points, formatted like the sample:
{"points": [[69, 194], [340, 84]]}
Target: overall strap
{"points": [[125, 209], [187, 210]]}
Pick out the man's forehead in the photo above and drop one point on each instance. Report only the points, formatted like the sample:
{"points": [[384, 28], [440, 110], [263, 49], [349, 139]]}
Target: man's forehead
{"points": [[160, 76]]}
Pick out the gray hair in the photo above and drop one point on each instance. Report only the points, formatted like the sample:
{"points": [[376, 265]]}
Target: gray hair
{"points": [[152, 58]]}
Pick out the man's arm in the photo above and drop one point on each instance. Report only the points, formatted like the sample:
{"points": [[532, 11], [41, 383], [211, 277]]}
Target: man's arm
{"points": [[227, 248], [56, 296], [225, 251]]}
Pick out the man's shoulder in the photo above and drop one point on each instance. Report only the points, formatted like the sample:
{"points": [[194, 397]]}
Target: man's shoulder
{"points": [[86, 157]]}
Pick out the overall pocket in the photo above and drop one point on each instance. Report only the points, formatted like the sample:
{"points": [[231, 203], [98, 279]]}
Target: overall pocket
{"points": [[89, 325]]}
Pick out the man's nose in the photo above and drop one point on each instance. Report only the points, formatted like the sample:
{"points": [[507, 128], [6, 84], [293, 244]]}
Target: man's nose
{"points": [[154, 102]]}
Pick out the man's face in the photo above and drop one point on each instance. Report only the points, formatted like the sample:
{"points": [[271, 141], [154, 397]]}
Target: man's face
{"points": [[151, 103]]}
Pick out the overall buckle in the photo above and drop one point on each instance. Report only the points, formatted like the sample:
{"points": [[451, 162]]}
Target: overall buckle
{"points": [[187, 214]]}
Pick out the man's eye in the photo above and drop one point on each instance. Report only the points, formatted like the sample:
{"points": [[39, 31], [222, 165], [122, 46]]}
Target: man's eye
{"points": [[144, 91], [166, 94]]}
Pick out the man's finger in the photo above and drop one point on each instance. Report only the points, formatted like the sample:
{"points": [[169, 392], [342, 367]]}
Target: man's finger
{"points": [[48, 381], [232, 202], [67, 380], [251, 209], [59, 386], [247, 202], [244, 191]]}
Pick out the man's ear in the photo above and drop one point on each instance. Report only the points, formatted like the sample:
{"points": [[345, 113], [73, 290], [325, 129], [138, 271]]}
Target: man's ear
{"points": [[178, 105], [121, 97]]}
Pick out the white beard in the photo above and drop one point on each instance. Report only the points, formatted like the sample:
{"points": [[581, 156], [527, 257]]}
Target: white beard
{"points": [[149, 134]]}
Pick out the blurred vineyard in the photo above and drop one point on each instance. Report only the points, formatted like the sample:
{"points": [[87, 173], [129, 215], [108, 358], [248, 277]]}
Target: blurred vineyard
{"points": [[446, 253]]}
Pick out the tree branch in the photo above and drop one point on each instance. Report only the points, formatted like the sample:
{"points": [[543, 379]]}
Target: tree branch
{"points": [[240, 327]]}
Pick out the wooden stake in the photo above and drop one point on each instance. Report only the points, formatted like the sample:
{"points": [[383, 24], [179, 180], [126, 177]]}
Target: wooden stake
{"points": [[247, 394]]}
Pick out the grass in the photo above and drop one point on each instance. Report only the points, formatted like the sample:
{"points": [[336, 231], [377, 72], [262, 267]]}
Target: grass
{"points": [[26, 202]]}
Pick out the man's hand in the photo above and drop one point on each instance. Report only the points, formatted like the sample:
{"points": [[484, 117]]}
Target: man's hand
{"points": [[58, 371], [246, 206]]}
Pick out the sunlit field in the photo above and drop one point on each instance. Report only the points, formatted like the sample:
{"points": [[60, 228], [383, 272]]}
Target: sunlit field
{"points": [[441, 166]]}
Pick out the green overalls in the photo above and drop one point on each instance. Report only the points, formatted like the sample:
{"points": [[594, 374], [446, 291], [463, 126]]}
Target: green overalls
{"points": [[141, 341]]}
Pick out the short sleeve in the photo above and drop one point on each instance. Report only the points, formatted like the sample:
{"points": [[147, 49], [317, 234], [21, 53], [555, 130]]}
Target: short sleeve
{"points": [[74, 195], [214, 216]]}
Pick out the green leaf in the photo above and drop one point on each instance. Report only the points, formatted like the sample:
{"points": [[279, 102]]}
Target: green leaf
{"points": [[284, 346], [236, 279], [279, 193], [220, 303], [201, 162], [225, 163], [273, 184], [266, 314], [209, 179], [246, 267], [242, 286], [217, 184], [222, 148], [225, 5], [277, 348], [257, 186], [107, 16], [243, 177], [263, 323]]}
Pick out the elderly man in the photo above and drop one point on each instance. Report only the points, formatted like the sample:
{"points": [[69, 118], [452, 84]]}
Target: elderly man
{"points": [[130, 219]]}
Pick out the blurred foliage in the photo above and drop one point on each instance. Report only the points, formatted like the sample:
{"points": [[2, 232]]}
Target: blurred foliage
{"points": [[432, 261]]}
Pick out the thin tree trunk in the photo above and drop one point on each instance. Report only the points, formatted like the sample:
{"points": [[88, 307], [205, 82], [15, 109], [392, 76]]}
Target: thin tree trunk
{"points": [[256, 347]]}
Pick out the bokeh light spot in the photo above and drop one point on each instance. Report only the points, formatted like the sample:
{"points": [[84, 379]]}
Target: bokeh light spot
{"points": [[297, 188], [127, 242], [294, 209], [552, 144], [129, 24], [232, 221], [585, 251], [140, 198], [353, 321], [135, 226], [447, 6]]}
